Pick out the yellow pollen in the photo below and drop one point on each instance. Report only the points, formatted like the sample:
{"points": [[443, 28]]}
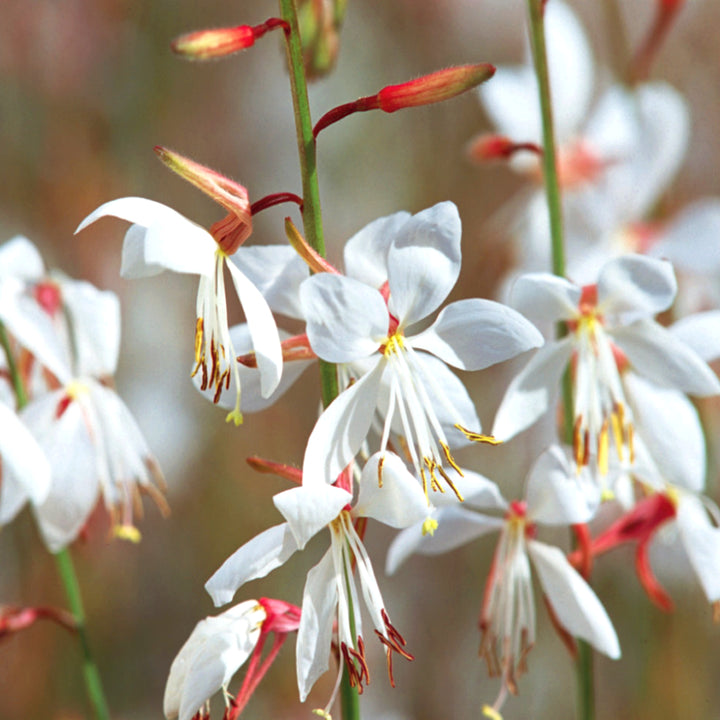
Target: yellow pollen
{"points": [[606, 495], [477, 437], [74, 389], [394, 344], [615, 421], [489, 712], [127, 532], [381, 462], [198, 341], [603, 447], [234, 416], [429, 526], [672, 495]]}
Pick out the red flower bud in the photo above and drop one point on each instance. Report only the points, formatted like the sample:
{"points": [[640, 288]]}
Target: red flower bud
{"points": [[497, 147]]}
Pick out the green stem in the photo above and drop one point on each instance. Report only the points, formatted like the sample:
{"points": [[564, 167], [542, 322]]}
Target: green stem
{"points": [[93, 683], [307, 150], [584, 668], [312, 224]]}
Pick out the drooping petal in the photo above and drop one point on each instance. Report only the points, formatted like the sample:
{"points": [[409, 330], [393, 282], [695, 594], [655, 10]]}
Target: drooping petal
{"points": [[701, 332], [263, 331], [533, 390], [365, 253], [346, 319], [255, 559], [277, 271], [657, 354], [399, 501], [424, 262], [575, 605], [341, 429], [554, 494], [545, 298], [475, 334], [636, 286], [701, 541], [456, 527], [310, 508], [319, 604], [160, 239]]}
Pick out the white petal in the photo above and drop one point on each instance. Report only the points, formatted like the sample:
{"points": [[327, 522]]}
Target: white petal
{"points": [[670, 427], [316, 622], [544, 298], [554, 494], [400, 501], [636, 286], [341, 429], [255, 559], [701, 541], [366, 252], [478, 492], [575, 605], [21, 259], [263, 331], [700, 332], [160, 239], [475, 334], [511, 102], [655, 353], [424, 262], [533, 390], [310, 508], [277, 271], [346, 319], [456, 527]]}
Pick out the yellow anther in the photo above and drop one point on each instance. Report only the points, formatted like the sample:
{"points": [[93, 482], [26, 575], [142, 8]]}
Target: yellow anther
{"points": [[631, 442], [198, 341], [381, 462], [477, 437], [429, 526], [447, 479], [672, 494], [606, 495], [234, 416], [603, 449], [127, 532], [394, 344], [75, 388], [616, 423], [489, 712], [450, 459]]}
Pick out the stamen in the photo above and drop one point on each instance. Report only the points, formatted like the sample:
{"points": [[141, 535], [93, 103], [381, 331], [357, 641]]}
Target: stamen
{"points": [[603, 449], [358, 673], [477, 437], [198, 343], [381, 462]]}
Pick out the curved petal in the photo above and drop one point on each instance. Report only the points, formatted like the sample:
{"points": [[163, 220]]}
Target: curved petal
{"points": [[424, 263], [475, 334], [456, 527], [310, 508], [160, 239], [478, 492], [255, 559], [341, 429], [316, 622], [263, 331], [21, 259], [544, 298], [657, 354], [701, 541], [554, 494], [636, 286], [533, 390], [575, 605], [389, 493], [700, 332], [277, 271], [366, 252], [346, 319]]}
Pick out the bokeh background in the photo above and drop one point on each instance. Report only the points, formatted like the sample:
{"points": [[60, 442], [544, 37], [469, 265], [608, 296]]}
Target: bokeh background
{"points": [[87, 88]]}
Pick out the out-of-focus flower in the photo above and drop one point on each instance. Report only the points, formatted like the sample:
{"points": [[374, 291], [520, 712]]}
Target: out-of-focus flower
{"points": [[330, 585], [411, 266], [216, 649], [507, 620], [608, 323]]}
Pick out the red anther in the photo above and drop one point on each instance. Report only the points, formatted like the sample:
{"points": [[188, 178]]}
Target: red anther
{"points": [[48, 296], [488, 147], [273, 468]]}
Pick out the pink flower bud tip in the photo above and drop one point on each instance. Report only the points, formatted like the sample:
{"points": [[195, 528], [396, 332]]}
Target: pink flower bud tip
{"points": [[209, 44]]}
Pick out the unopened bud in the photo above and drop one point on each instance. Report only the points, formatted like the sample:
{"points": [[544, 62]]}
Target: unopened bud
{"points": [[219, 42], [320, 34], [497, 147], [436, 87], [236, 228]]}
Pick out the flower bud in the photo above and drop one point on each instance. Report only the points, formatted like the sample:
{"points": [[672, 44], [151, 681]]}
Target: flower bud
{"points": [[208, 44], [320, 34], [436, 87], [497, 147]]}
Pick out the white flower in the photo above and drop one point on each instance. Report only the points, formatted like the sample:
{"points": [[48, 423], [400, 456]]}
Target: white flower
{"points": [[507, 621], [331, 589], [162, 239], [608, 323], [415, 263]]}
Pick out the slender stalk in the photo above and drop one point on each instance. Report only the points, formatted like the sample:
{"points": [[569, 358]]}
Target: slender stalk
{"points": [[307, 150], [91, 674], [584, 667], [312, 224]]}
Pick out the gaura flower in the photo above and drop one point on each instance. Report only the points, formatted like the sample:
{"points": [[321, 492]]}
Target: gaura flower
{"points": [[507, 620], [217, 647], [162, 239], [406, 378], [608, 323], [331, 584]]}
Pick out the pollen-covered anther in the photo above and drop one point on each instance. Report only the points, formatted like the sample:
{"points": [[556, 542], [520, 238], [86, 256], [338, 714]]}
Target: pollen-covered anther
{"points": [[381, 463], [478, 437]]}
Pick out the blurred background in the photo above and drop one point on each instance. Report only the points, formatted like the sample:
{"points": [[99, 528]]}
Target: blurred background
{"points": [[87, 88]]}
